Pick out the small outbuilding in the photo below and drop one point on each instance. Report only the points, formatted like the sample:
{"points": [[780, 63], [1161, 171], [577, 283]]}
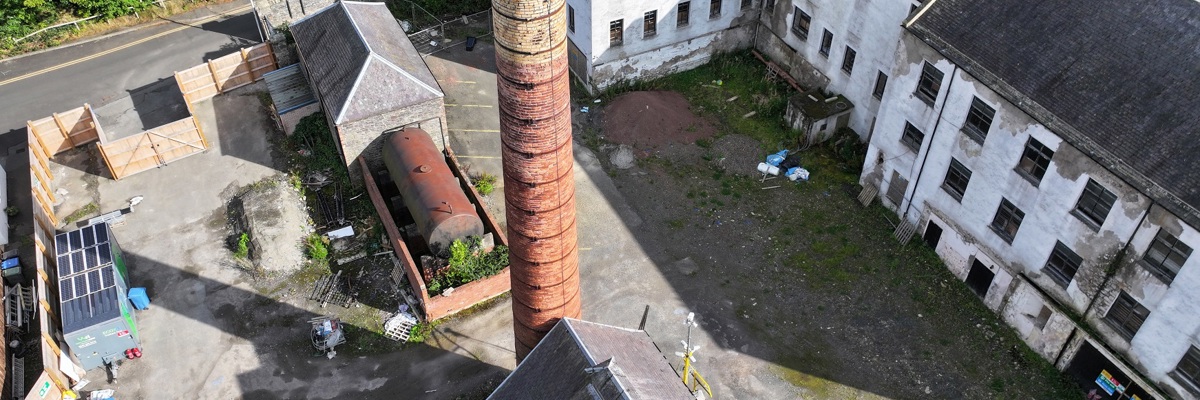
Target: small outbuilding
{"points": [[368, 78], [586, 360], [97, 322]]}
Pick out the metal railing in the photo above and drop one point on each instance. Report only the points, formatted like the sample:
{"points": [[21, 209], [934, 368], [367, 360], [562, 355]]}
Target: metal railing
{"points": [[75, 23], [449, 33]]}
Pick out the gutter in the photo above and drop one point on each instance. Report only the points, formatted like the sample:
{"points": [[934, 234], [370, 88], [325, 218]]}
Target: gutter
{"points": [[932, 135]]}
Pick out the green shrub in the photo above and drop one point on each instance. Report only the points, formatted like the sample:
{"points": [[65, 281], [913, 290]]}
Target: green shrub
{"points": [[316, 248], [243, 246], [468, 265], [485, 183]]}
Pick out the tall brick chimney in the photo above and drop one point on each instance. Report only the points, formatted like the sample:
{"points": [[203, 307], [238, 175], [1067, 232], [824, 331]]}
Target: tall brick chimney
{"points": [[539, 187]]}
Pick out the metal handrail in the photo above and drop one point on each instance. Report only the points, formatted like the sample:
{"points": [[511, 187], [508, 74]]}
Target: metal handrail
{"points": [[75, 22]]}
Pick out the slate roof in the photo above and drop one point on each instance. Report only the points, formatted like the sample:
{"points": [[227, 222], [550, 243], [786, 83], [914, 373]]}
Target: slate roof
{"points": [[1117, 79], [578, 354], [361, 61]]}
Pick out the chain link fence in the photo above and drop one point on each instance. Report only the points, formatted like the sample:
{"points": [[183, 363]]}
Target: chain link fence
{"points": [[437, 35]]}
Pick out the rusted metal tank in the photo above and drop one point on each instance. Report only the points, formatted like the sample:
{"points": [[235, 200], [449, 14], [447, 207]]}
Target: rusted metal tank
{"points": [[431, 192]]}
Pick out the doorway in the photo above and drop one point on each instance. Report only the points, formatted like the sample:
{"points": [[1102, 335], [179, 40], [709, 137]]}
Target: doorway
{"points": [[980, 278], [933, 234]]}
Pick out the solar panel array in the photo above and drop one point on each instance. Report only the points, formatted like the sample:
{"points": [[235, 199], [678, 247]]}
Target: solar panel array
{"points": [[86, 278]]}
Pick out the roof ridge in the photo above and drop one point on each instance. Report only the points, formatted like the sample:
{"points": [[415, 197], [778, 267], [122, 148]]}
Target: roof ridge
{"points": [[353, 89], [407, 75], [354, 24]]}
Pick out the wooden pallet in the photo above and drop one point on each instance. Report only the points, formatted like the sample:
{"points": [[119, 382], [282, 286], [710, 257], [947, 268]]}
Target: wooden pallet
{"points": [[400, 332], [868, 194], [904, 232]]}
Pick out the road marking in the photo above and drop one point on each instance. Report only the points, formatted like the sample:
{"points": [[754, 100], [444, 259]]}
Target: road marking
{"points": [[477, 130], [121, 47], [482, 157], [469, 105]]}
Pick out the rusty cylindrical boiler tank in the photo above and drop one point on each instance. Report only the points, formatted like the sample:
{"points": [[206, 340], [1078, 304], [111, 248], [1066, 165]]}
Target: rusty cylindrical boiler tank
{"points": [[539, 183], [431, 192]]}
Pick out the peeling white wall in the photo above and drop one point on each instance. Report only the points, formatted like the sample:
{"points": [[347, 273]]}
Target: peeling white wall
{"points": [[670, 50], [1174, 322], [871, 28]]}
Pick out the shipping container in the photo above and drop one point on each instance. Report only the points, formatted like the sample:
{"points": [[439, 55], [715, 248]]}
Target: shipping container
{"points": [[97, 319]]}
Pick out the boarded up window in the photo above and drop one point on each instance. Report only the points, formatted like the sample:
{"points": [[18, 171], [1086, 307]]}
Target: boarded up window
{"points": [[896, 188]]}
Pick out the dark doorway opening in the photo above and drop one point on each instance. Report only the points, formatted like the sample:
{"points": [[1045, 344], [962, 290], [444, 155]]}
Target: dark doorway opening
{"points": [[980, 278], [1100, 378], [933, 234]]}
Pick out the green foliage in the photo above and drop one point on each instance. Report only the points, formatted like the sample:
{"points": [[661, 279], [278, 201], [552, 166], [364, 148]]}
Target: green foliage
{"points": [[313, 138], [82, 212], [12, 211], [468, 264], [243, 246], [485, 183], [316, 247], [421, 332]]}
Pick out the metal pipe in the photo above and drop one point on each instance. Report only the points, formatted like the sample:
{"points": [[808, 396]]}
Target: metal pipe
{"points": [[539, 186]]}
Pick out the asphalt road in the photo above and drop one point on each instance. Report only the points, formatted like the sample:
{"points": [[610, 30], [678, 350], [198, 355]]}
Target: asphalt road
{"points": [[101, 71]]}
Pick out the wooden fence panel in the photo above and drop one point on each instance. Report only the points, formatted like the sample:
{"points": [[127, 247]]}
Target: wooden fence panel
{"points": [[196, 84], [63, 131], [225, 73], [153, 148]]}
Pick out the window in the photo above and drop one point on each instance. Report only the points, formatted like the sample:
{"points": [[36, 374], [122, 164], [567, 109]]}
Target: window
{"points": [[1188, 369], [826, 43], [912, 137], [930, 83], [896, 188], [685, 13], [769, 6], [714, 9], [848, 60], [880, 85], [800, 23], [1126, 315], [1034, 161], [616, 32], [979, 120], [650, 24], [746, 4], [1094, 204], [956, 181], [1007, 221], [1062, 264], [571, 18], [1166, 255]]}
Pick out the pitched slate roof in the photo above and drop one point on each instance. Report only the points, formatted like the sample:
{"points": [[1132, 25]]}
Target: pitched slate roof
{"points": [[1117, 79], [577, 354], [361, 61]]}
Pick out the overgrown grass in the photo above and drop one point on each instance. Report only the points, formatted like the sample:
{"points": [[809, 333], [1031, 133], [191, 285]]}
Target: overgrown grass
{"points": [[124, 17], [315, 246], [485, 183], [243, 246], [468, 263], [83, 212]]}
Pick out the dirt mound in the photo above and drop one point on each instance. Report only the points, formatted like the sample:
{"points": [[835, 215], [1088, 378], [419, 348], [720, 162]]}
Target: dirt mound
{"points": [[653, 119]]}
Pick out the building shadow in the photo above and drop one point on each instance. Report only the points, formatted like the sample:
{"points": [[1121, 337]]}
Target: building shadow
{"points": [[145, 108], [240, 29], [236, 328]]}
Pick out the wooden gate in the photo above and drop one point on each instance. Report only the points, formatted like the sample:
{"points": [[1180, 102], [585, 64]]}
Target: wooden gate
{"points": [[153, 148]]}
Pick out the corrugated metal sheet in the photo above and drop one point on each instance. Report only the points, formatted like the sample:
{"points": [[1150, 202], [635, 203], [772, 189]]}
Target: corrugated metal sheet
{"points": [[289, 90]]}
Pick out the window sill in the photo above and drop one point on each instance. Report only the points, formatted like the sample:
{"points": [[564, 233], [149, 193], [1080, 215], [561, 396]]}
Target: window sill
{"points": [[1157, 273], [924, 99], [1033, 180], [974, 134], [1086, 220], [1187, 383], [648, 37], [1002, 234], [824, 54], [1117, 329], [953, 194], [801, 36], [1055, 277]]}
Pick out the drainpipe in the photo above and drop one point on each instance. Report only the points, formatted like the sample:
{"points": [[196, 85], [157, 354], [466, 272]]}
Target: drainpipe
{"points": [[1107, 277], [936, 123]]}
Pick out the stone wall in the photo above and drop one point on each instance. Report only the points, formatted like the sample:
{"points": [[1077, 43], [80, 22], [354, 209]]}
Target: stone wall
{"points": [[364, 137]]}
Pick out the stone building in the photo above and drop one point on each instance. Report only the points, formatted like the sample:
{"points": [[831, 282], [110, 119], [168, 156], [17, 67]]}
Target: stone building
{"points": [[617, 41], [368, 78], [1047, 152]]}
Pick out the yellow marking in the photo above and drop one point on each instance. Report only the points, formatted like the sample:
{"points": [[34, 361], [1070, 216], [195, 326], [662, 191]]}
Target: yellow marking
{"points": [[484, 157], [469, 105], [585, 249], [119, 48]]}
